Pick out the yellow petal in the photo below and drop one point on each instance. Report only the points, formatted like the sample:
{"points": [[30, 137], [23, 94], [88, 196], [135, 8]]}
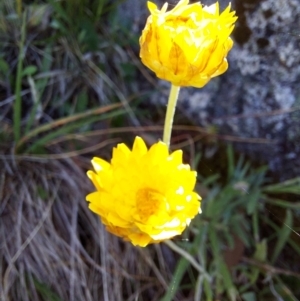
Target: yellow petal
{"points": [[139, 239], [151, 6], [95, 179], [100, 164], [139, 147]]}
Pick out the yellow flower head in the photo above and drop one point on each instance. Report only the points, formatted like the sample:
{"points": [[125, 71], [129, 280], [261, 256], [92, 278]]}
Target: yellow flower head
{"points": [[187, 45], [144, 196]]}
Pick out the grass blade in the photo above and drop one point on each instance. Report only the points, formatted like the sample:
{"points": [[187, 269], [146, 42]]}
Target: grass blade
{"points": [[62, 121], [40, 86], [283, 235], [282, 203], [174, 286], [289, 186], [46, 292], [69, 127], [230, 158], [18, 100]]}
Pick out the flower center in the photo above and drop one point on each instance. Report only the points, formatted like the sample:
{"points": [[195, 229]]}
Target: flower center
{"points": [[149, 202]]}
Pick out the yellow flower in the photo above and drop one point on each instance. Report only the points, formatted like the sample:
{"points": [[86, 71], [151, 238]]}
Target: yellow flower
{"points": [[144, 196], [187, 45]]}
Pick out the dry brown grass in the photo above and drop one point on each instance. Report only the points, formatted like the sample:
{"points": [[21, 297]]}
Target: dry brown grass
{"points": [[53, 248]]}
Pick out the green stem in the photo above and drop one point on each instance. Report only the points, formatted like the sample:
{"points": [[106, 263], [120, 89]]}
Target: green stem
{"points": [[19, 8], [18, 100], [188, 257], [170, 114]]}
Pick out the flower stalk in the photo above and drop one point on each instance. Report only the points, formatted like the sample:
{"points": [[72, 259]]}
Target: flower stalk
{"points": [[171, 106]]}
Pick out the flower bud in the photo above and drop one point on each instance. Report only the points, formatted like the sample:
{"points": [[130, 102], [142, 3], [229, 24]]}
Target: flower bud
{"points": [[187, 45]]}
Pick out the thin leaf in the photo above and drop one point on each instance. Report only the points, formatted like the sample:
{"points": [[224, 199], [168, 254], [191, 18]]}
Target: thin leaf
{"points": [[69, 127], [289, 186], [230, 158], [40, 85], [228, 284], [283, 235], [65, 120], [176, 280], [29, 70], [18, 100], [292, 243], [282, 203], [46, 292], [252, 201], [208, 290]]}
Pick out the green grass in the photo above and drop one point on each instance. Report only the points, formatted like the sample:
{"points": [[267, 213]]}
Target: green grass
{"points": [[235, 216]]}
